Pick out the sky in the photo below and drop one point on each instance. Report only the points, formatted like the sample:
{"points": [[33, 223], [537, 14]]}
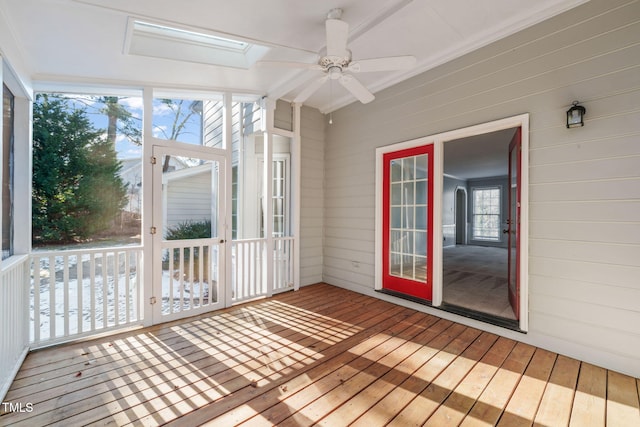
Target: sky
{"points": [[163, 117]]}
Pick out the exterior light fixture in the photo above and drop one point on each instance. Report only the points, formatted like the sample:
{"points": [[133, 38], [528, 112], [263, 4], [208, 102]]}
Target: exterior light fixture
{"points": [[575, 115]]}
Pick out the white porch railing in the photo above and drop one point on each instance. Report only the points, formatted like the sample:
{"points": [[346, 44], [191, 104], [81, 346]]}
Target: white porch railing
{"points": [[13, 318], [75, 293], [283, 264], [189, 275], [249, 272], [248, 276], [80, 292]]}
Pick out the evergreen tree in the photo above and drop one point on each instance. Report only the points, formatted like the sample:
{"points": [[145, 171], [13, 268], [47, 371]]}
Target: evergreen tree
{"points": [[77, 191]]}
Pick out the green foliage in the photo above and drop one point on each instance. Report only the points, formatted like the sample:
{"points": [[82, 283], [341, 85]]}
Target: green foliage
{"points": [[77, 191], [189, 230]]}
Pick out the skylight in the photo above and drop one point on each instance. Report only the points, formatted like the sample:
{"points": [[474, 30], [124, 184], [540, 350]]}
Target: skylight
{"points": [[188, 36], [161, 41]]}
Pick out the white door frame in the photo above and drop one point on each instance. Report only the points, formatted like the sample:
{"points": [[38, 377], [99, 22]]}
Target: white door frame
{"points": [[439, 140]]}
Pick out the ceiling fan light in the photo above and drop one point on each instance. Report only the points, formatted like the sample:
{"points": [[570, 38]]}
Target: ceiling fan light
{"points": [[335, 73]]}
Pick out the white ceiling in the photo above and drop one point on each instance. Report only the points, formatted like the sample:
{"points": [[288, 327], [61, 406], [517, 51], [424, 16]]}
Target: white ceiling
{"points": [[83, 41], [479, 156]]}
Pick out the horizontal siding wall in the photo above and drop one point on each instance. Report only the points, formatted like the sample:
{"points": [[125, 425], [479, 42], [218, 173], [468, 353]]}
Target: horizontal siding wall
{"points": [[584, 260], [312, 135]]}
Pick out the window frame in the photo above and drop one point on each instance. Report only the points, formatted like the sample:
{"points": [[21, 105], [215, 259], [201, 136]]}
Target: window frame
{"points": [[8, 167]]}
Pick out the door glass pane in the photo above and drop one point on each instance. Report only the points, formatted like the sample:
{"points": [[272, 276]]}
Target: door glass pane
{"points": [[190, 233], [179, 120], [513, 226], [408, 218]]}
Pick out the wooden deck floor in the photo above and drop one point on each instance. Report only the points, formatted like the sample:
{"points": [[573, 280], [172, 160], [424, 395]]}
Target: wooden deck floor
{"points": [[321, 356]]}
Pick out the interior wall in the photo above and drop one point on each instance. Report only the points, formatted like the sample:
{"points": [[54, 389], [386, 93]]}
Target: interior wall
{"points": [[584, 191]]}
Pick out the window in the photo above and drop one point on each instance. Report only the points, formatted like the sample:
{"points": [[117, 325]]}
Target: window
{"points": [[486, 213], [87, 169], [280, 200], [7, 171]]}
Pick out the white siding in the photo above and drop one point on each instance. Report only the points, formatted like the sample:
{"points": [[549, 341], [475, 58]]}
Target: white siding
{"points": [[312, 129], [584, 262], [189, 199]]}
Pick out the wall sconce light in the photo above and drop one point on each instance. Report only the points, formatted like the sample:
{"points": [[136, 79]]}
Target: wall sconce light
{"points": [[575, 115]]}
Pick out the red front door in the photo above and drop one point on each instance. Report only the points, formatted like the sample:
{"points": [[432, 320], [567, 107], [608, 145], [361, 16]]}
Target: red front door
{"points": [[513, 222], [407, 265]]}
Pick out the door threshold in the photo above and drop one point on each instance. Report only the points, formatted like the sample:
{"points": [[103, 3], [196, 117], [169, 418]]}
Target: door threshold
{"points": [[502, 322]]}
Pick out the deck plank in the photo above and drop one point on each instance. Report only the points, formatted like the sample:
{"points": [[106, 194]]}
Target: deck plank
{"points": [[623, 408], [488, 408], [320, 356], [455, 408], [524, 402], [589, 403], [427, 402], [243, 366], [555, 407]]}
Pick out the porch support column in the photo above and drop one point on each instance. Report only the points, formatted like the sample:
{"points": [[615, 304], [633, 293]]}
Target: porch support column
{"points": [[227, 247], [296, 175], [147, 207], [268, 110]]}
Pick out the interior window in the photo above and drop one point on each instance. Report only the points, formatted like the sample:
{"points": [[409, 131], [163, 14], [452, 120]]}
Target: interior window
{"points": [[486, 213]]}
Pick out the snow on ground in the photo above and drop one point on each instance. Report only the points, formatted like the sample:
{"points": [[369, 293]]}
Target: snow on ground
{"points": [[90, 303]]}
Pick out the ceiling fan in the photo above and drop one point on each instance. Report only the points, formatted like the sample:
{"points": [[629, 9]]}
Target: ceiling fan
{"points": [[337, 64]]}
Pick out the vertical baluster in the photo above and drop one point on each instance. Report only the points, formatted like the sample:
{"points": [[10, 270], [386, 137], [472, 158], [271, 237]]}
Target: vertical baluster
{"points": [[92, 289], [240, 275], [251, 270], [172, 254], [52, 297], [242, 283], [276, 263], [116, 287], [261, 263], [291, 260], [36, 299], [234, 267], [250, 259], [105, 290], [139, 309], [79, 275], [181, 281], [65, 292], [127, 287], [201, 269]]}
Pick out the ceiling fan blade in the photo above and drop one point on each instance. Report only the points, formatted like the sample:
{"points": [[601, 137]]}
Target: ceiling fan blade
{"points": [[337, 33], [356, 88], [383, 64], [289, 64], [312, 87]]}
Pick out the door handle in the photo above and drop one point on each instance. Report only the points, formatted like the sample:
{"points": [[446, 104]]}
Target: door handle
{"points": [[505, 231], [222, 241]]}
